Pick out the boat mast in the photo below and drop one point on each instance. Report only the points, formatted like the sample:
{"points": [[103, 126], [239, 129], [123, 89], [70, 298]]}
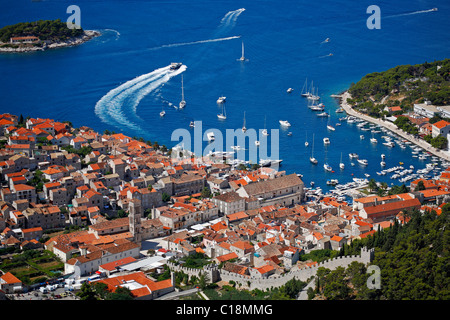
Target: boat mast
{"points": [[182, 89]]}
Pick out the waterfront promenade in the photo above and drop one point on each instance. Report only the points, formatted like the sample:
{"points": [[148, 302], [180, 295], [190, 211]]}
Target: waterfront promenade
{"points": [[390, 126]]}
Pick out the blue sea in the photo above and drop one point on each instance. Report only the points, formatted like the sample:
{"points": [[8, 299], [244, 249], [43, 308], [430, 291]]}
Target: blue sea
{"points": [[119, 81]]}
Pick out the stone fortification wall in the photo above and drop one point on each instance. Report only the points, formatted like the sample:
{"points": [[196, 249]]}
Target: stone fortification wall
{"points": [[252, 282]]}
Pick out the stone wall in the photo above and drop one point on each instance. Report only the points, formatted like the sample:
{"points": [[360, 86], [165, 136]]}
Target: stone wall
{"points": [[253, 282]]}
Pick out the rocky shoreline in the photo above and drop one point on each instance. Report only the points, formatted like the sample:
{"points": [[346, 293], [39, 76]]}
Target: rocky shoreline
{"points": [[88, 35]]}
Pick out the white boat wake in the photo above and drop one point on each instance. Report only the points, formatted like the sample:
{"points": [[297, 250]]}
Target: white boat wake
{"points": [[228, 22], [193, 42], [119, 104], [411, 13], [231, 17]]}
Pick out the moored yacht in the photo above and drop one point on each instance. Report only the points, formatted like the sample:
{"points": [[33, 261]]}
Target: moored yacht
{"points": [[285, 123], [363, 162]]}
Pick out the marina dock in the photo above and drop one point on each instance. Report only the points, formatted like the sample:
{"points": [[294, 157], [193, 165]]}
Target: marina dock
{"points": [[390, 126]]}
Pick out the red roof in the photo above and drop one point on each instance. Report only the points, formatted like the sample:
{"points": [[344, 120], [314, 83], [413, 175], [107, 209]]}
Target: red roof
{"points": [[441, 124]]}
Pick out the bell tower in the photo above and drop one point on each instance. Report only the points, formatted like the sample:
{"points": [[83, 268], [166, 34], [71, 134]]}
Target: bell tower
{"points": [[134, 218]]}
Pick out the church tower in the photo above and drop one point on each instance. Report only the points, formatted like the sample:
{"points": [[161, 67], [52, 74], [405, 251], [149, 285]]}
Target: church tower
{"points": [[134, 217]]}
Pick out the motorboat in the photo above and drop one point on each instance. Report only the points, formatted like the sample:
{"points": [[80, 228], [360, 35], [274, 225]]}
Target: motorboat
{"points": [[285, 123], [289, 90], [326, 140], [363, 162], [353, 155], [327, 167], [175, 65], [211, 136], [332, 182], [221, 99]]}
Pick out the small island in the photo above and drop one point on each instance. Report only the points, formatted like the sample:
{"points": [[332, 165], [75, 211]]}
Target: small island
{"points": [[42, 35]]}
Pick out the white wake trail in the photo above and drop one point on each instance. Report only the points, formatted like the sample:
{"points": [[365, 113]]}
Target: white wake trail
{"points": [[411, 13], [193, 42], [114, 107], [231, 17]]}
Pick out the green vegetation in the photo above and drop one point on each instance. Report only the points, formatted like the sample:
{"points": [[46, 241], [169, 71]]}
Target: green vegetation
{"points": [[165, 197], [197, 261], [82, 152], [206, 193], [413, 261], [38, 181], [405, 85], [53, 30], [99, 291], [403, 123], [438, 142], [319, 255], [289, 291], [33, 266]]}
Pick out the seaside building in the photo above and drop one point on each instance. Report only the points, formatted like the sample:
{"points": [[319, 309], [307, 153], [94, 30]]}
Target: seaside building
{"points": [[26, 39], [426, 109], [440, 128]]}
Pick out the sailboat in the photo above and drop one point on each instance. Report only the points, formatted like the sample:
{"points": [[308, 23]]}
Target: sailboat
{"points": [[264, 132], [306, 142], [312, 159], [182, 102], [242, 58], [305, 91], [243, 126], [341, 164], [313, 96], [223, 115]]}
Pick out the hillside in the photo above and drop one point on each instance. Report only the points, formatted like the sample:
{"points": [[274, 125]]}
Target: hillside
{"points": [[413, 260], [402, 86], [53, 30]]}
